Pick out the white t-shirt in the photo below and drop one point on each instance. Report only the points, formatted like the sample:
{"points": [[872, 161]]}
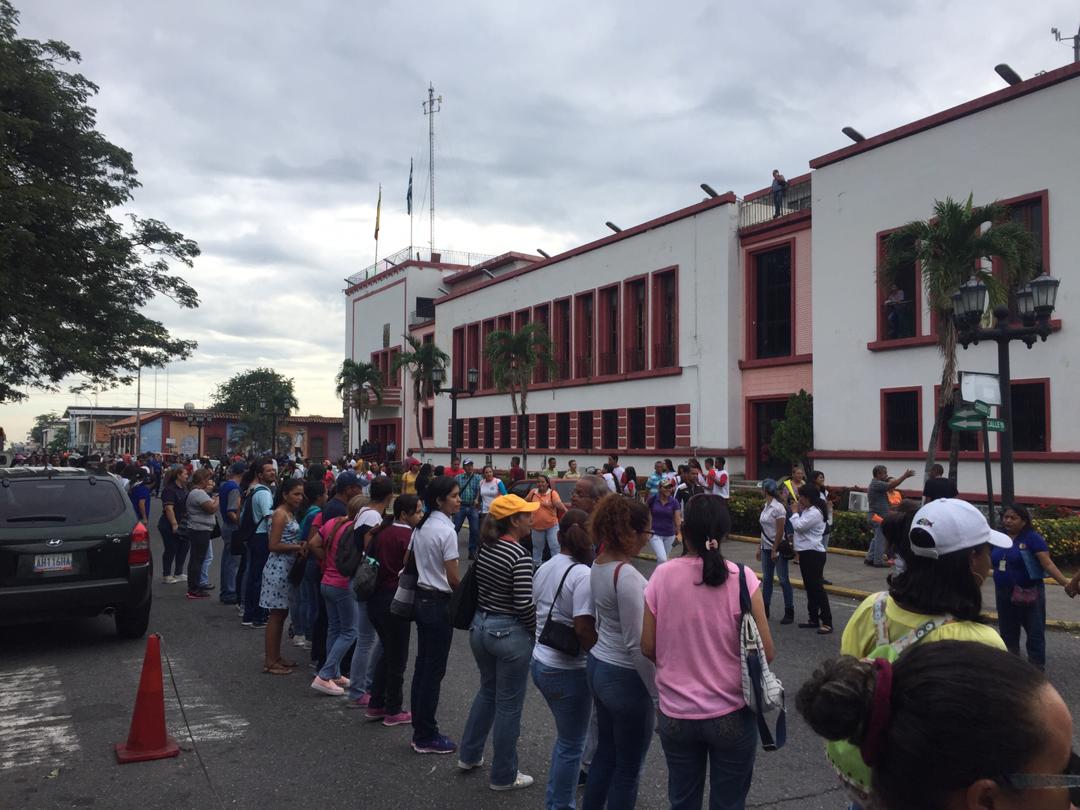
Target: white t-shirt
{"points": [[722, 482], [366, 519], [809, 530], [619, 472], [433, 545], [575, 599], [489, 491], [609, 479], [770, 513]]}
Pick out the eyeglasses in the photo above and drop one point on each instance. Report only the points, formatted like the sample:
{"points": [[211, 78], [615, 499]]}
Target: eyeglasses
{"points": [[1040, 781]]}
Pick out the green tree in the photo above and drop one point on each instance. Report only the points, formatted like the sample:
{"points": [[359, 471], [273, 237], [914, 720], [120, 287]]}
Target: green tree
{"points": [[74, 276], [261, 397], [514, 358], [42, 421], [356, 384], [60, 441], [793, 436], [959, 242], [421, 360]]}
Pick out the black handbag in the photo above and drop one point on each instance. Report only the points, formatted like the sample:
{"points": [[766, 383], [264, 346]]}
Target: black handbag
{"points": [[466, 597], [557, 635]]}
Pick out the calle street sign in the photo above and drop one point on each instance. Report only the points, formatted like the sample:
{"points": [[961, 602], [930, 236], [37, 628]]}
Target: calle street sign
{"points": [[995, 425], [970, 421], [981, 408]]}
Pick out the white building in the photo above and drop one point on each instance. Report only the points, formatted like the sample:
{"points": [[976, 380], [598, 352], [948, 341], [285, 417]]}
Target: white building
{"points": [[685, 335]]}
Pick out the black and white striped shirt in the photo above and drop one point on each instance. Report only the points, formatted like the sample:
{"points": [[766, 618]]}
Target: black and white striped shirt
{"points": [[504, 575]]}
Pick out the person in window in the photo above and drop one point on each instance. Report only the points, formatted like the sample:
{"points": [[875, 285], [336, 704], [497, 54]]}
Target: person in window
{"points": [[937, 485], [776, 190], [894, 309]]}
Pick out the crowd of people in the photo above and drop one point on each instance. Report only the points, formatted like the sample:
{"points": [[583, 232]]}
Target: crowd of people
{"points": [[618, 657]]}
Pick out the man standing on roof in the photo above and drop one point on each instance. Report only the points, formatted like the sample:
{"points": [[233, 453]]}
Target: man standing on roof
{"points": [[777, 189]]}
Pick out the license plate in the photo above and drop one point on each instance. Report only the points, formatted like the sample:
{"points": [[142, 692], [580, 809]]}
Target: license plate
{"points": [[52, 563]]}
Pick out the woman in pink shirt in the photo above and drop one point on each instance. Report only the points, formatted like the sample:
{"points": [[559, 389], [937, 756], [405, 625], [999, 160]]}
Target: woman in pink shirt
{"points": [[691, 631]]}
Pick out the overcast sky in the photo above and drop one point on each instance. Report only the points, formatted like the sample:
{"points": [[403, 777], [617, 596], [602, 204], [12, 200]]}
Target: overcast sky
{"points": [[262, 129]]}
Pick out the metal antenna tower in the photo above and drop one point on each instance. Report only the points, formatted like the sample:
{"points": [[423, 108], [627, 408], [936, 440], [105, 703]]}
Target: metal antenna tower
{"points": [[432, 106], [1075, 41]]}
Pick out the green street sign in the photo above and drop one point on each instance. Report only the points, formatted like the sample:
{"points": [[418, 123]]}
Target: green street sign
{"points": [[981, 408], [965, 423], [995, 425]]}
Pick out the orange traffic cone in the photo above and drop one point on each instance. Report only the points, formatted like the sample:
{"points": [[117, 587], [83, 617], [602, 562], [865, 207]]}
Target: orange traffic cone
{"points": [[147, 738]]}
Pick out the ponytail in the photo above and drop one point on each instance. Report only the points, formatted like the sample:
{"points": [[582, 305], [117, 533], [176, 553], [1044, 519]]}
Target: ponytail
{"points": [[705, 523]]}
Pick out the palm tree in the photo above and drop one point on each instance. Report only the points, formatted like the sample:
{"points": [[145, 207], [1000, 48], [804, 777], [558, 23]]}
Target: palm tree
{"points": [[514, 358], [957, 244], [353, 383], [421, 360]]}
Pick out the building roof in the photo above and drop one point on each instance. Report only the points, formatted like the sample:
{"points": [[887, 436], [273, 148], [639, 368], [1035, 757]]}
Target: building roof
{"points": [[490, 264], [150, 416], [727, 198], [1006, 94]]}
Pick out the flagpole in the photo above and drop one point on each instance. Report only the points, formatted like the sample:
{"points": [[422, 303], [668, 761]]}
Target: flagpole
{"points": [[410, 209], [378, 214]]}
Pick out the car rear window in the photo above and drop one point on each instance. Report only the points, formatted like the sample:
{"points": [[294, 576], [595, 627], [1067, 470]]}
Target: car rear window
{"points": [[59, 502]]}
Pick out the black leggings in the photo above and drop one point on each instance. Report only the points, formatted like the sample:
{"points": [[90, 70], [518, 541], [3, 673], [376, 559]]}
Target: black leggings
{"points": [[812, 565], [200, 543]]}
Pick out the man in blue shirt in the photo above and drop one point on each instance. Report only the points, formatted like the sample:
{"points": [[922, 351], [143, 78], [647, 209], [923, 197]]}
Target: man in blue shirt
{"points": [[229, 496], [469, 483], [258, 550]]}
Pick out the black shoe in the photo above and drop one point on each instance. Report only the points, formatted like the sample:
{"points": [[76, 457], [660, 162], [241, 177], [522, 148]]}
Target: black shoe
{"points": [[809, 625], [789, 617], [826, 582], [582, 778]]}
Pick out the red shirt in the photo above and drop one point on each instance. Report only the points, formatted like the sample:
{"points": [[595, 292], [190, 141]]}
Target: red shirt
{"points": [[391, 545], [516, 473], [448, 470]]}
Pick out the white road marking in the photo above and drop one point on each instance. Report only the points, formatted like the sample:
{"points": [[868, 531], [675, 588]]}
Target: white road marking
{"points": [[34, 730], [209, 721]]}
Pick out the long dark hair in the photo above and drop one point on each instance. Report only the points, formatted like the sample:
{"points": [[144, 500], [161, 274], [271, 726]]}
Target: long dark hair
{"points": [[813, 494], [706, 518], [942, 586], [403, 505], [287, 486], [437, 490], [423, 477], [941, 700], [573, 536]]}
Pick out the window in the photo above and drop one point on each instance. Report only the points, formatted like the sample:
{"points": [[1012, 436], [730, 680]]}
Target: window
{"points": [[504, 433], [487, 375], [636, 428], [520, 319], [562, 430], [393, 376], [317, 449], [474, 432], [772, 303], [427, 422], [585, 335], [665, 320], [543, 431], [561, 337], [585, 430], [429, 337], [901, 419], [542, 316], [472, 346], [506, 323], [665, 427], [899, 308], [1030, 422], [636, 314], [608, 331], [609, 430], [1028, 213], [457, 357], [459, 433], [489, 433]]}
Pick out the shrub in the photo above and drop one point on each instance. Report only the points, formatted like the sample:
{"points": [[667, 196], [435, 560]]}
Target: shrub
{"points": [[1062, 536]]}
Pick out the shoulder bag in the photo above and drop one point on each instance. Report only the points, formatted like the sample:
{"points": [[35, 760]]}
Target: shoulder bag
{"points": [[559, 636], [762, 690], [466, 597], [403, 605]]}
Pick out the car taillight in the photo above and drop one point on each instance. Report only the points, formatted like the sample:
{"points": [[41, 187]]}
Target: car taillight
{"points": [[139, 551]]}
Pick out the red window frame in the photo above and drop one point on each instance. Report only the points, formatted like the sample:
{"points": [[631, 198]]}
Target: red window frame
{"points": [[585, 334], [660, 316], [751, 298], [487, 378], [608, 339], [457, 357], [636, 345], [881, 295], [521, 317], [1045, 383], [542, 315], [918, 417], [472, 346], [562, 329], [427, 422]]}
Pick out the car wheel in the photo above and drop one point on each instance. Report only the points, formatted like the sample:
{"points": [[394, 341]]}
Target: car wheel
{"points": [[132, 622]]}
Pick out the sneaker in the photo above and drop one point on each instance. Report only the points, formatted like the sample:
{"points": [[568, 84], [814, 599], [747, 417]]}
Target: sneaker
{"points": [[298, 641], [356, 703], [197, 595], [166, 580], [439, 744], [206, 587], [523, 780], [326, 687], [307, 644], [344, 682], [470, 766], [246, 624], [399, 719], [180, 578], [240, 608], [373, 712], [258, 625]]}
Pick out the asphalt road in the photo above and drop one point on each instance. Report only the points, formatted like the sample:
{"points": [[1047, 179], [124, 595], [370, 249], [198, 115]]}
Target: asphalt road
{"points": [[67, 691]]}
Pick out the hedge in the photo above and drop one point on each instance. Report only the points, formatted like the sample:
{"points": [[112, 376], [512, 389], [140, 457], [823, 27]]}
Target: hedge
{"points": [[851, 530]]}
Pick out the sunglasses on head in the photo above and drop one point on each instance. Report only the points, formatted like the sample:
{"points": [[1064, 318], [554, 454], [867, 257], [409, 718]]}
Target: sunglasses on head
{"points": [[1034, 781]]}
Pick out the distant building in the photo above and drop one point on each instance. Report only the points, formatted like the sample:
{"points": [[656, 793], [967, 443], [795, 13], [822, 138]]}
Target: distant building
{"points": [[88, 426]]}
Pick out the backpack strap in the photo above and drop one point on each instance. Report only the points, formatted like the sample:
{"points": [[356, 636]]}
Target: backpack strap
{"points": [[558, 590], [921, 632], [879, 618]]}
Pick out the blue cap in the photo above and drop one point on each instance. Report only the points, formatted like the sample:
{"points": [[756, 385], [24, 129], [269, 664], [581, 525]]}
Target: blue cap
{"points": [[770, 486], [347, 479]]}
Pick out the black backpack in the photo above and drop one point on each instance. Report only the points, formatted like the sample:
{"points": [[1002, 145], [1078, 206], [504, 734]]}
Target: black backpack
{"points": [[349, 553], [248, 525]]}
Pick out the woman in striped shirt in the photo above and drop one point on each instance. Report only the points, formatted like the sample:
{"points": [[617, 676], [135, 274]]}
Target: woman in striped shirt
{"points": [[501, 638]]}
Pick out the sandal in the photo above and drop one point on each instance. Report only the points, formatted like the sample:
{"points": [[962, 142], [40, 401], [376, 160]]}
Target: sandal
{"points": [[276, 669], [285, 662], [824, 630]]}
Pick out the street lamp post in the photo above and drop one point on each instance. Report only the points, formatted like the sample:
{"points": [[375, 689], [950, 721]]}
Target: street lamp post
{"points": [[196, 420], [438, 377], [1035, 304]]}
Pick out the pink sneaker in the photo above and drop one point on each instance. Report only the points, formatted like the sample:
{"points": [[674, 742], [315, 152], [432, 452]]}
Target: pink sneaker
{"points": [[399, 719], [342, 681], [326, 687]]}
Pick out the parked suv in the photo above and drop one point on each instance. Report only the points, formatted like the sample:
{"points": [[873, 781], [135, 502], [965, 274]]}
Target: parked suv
{"points": [[71, 545]]}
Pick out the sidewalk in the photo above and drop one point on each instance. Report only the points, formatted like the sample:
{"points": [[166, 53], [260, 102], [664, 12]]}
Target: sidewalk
{"points": [[851, 578]]}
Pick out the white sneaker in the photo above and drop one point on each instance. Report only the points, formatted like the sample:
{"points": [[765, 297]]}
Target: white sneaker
{"points": [[326, 687], [523, 781], [298, 641], [468, 766]]}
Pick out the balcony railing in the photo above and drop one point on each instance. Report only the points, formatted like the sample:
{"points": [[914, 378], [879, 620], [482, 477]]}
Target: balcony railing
{"points": [[664, 355], [796, 197], [635, 360], [422, 254], [609, 363], [898, 320]]}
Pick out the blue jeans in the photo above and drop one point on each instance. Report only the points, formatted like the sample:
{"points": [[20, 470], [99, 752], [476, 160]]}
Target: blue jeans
{"points": [[342, 619], [230, 564], [433, 636], [541, 536], [624, 720], [365, 655], [204, 575], [780, 567], [725, 745], [309, 598], [778, 201], [567, 694], [258, 550], [1011, 618], [502, 647], [474, 525], [876, 553]]}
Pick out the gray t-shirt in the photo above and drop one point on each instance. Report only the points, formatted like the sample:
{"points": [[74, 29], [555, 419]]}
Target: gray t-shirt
{"points": [[619, 610], [197, 519], [877, 497]]}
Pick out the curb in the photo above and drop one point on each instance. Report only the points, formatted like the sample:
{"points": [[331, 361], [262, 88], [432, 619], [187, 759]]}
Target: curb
{"points": [[844, 552]]}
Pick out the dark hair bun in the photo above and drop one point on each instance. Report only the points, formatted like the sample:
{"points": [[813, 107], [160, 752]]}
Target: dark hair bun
{"points": [[837, 698]]}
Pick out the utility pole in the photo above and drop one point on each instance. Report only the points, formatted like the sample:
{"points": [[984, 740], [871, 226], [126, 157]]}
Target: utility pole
{"points": [[432, 106], [138, 411], [1075, 41]]}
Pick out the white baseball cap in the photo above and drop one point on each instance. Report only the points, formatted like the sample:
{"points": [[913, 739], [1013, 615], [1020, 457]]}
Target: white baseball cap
{"points": [[949, 524]]}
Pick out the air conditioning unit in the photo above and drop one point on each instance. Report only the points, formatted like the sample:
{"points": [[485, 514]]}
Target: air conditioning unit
{"points": [[858, 502]]}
